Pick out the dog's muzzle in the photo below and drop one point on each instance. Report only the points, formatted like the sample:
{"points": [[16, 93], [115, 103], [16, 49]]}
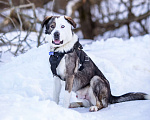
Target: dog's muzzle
{"points": [[57, 39], [56, 35]]}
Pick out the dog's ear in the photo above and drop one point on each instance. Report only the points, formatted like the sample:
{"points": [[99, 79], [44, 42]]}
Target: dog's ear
{"points": [[70, 20], [45, 21]]}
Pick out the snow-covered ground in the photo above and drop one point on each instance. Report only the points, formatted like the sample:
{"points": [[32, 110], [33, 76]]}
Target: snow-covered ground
{"points": [[26, 82]]}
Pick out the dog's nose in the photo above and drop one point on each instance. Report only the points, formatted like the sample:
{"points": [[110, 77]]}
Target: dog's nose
{"points": [[56, 35]]}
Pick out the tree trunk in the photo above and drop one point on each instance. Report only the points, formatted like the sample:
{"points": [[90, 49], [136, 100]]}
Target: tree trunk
{"points": [[85, 20], [60, 6]]}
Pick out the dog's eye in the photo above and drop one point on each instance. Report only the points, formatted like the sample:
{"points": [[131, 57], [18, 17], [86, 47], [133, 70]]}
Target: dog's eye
{"points": [[62, 26], [52, 26]]}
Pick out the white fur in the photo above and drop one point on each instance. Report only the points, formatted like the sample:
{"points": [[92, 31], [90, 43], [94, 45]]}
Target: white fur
{"points": [[67, 97], [93, 109], [56, 89], [147, 97], [82, 93], [86, 103]]}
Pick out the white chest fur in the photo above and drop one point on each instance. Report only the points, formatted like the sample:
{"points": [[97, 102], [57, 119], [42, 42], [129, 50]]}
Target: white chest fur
{"points": [[61, 69]]}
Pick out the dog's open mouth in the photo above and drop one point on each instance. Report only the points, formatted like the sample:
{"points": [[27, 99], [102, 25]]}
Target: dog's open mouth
{"points": [[57, 42]]}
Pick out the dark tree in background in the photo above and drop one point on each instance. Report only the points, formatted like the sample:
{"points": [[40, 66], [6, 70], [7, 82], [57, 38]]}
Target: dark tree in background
{"points": [[86, 22], [100, 17], [97, 17]]}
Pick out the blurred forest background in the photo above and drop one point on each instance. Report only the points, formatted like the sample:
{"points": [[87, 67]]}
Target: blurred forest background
{"points": [[96, 20]]}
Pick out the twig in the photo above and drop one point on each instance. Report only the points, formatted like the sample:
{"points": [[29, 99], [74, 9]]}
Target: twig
{"points": [[20, 21], [41, 30], [6, 3]]}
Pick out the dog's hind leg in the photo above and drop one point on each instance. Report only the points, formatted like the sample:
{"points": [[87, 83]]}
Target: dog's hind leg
{"points": [[82, 95], [98, 94], [83, 103], [75, 104]]}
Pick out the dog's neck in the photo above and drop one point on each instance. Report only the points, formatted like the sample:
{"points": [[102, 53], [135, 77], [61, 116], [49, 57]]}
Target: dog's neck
{"points": [[66, 47]]}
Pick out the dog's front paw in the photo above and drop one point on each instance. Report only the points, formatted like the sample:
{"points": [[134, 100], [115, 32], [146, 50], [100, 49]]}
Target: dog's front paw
{"points": [[93, 109], [66, 101]]}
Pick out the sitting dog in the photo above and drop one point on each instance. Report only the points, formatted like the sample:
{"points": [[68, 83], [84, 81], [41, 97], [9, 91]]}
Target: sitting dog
{"points": [[72, 65]]}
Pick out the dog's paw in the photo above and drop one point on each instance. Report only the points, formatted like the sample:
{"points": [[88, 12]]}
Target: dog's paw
{"points": [[93, 109], [74, 105]]}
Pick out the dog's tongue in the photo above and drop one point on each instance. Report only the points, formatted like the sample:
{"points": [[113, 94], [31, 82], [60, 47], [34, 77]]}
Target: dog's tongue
{"points": [[57, 41]]}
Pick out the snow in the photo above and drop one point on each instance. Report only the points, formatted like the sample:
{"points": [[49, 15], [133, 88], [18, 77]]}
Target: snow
{"points": [[17, 38], [26, 82]]}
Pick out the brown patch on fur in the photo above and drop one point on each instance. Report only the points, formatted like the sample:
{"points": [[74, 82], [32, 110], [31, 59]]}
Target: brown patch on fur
{"points": [[70, 20], [70, 70], [99, 104], [47, 18], [76, 104], [69, 83]]}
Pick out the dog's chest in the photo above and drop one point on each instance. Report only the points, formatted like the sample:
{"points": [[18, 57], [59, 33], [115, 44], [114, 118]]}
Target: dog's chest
{"points": [[61, 69]]}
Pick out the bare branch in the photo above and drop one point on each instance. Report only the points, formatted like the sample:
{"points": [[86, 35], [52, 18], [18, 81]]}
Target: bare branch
{"points": [[112, 24]]}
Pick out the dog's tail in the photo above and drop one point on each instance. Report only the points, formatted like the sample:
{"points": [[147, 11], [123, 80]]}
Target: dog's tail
{"points": [[129, 97]]}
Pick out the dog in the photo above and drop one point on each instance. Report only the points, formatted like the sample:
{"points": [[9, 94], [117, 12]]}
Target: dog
{"points": [[71, 64]]}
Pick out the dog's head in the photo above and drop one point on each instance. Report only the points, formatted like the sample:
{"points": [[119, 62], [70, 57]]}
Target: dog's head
{"points": [[59, 29]]}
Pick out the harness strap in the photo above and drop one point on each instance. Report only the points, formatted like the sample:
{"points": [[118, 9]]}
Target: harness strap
{"points": [[54, 61], [56, 57]]}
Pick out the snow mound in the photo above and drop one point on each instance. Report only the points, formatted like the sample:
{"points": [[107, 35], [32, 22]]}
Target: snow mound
{"points": [[26, 83]]}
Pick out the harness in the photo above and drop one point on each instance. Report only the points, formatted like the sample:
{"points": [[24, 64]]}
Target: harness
{"points": [[55, 57]]}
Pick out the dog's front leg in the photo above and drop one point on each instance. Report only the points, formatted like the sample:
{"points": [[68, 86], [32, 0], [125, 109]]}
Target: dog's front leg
{"points": [[56, 89], [68, 89]]}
